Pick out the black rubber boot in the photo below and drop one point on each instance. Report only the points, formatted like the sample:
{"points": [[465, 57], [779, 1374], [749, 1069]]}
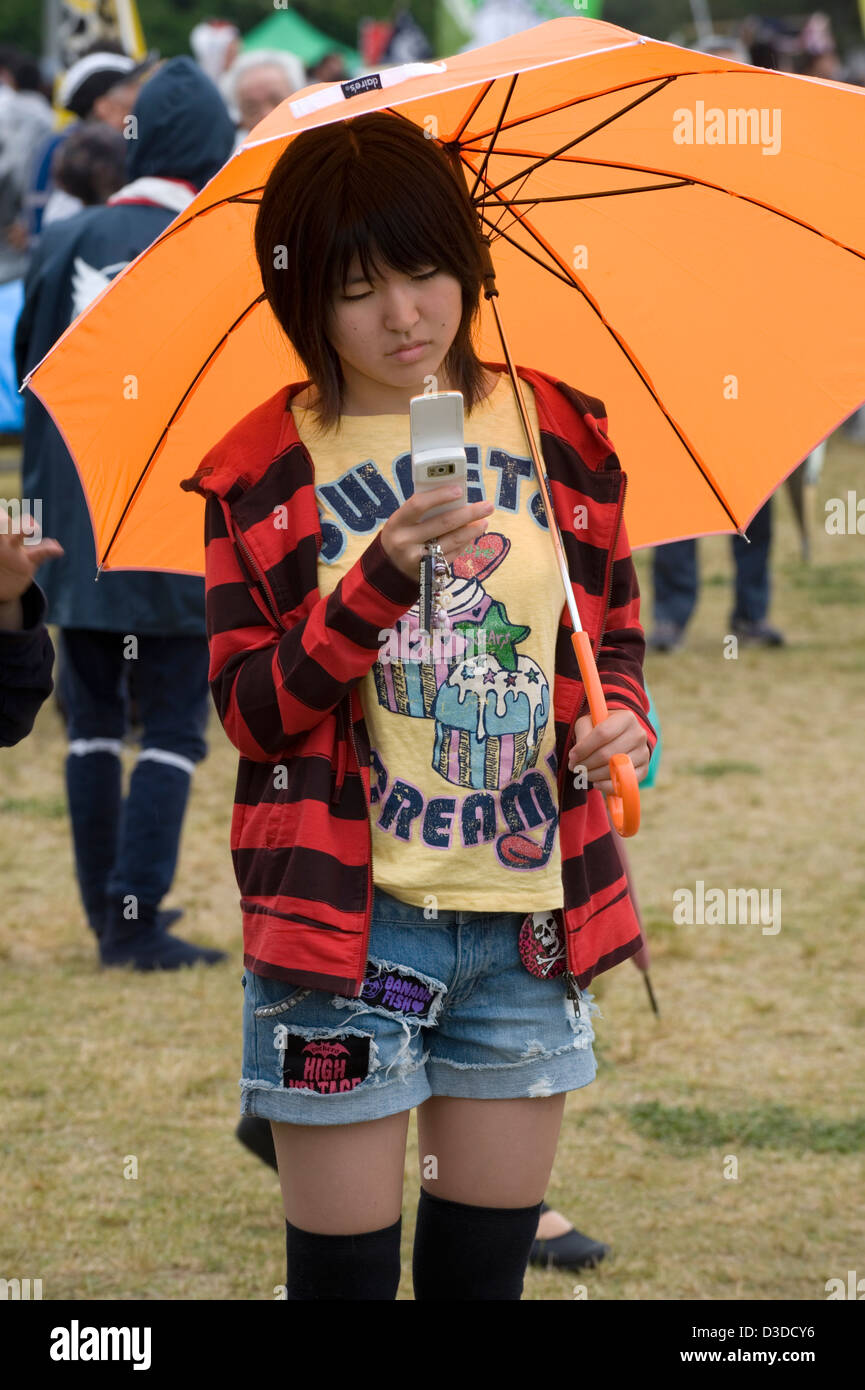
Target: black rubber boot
{"points": [[143, 942]]}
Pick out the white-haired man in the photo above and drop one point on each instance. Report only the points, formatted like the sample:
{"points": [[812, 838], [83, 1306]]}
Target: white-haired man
{"points": [[256, 83]]}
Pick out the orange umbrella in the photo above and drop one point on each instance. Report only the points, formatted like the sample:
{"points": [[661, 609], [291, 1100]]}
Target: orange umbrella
{"points": [[649, 209]]}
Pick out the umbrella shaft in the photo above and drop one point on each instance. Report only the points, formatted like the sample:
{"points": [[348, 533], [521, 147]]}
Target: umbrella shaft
{"points": [[539, 472]]}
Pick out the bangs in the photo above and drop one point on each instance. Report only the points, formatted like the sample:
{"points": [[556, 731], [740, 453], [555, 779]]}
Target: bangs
{"points": [[373, 190], [384, 227]]}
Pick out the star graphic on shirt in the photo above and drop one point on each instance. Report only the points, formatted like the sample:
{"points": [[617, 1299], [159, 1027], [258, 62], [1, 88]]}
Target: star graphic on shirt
{"points": [[511, 678], [489, 677], [532, 677], [502, 635]]}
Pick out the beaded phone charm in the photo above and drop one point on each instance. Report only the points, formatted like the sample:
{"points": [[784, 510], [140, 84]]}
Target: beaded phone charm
{"points": [[435, 574]]}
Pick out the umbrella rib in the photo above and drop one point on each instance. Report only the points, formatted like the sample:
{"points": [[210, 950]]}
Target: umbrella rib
{"points": [[455, 138], [601, 193], [489, 149], [578, 139], [577, 101], [575, 284], [551, 270], [694, 181], [472, 109], [155, 450], [623, 87], [526, 173]]}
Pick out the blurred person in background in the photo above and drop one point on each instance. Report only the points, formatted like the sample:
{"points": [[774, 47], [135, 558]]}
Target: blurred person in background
{"points": [[256, 83], [826, 64], [90, 165], [330, 68], [818, 55], [134, 633], [724, 46], [101, 86], [215, 45], [26, 119], [675, 569]]}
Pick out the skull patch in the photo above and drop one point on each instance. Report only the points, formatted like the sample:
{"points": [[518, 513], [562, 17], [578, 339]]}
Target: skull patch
{"points": [[542, 944]]}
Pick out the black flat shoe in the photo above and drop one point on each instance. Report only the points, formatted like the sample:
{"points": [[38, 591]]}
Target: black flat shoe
{"points": [[257, 1135], [665, 637], [758, 634], [572, 1250]]}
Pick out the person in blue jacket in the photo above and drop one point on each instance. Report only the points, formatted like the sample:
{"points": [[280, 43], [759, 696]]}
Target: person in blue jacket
{"points": [[134, 634]]}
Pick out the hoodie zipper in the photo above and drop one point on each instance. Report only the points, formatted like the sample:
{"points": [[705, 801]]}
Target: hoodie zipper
{"points": [[573, 990], [259, 575]]}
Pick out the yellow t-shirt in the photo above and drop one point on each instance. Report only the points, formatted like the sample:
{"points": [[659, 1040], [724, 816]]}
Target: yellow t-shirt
{"points": [[464, 798]]}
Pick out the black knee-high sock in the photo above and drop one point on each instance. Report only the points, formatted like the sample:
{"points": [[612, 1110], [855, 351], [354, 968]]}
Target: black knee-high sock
{"points": [[469, 1253], [359, 1267]]}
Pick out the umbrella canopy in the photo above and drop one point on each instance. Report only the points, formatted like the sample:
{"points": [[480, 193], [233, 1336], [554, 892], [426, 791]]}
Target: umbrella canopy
{"points": [[649, 236]]}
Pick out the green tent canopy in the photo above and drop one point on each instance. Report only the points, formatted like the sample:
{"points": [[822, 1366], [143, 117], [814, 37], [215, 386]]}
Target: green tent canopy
{"points": [[287, 31]]}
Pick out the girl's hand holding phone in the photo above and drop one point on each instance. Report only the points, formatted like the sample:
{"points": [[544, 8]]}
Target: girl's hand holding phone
{"points": [[405, 533]]}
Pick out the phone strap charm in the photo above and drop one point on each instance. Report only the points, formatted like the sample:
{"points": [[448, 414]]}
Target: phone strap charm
{"points": [[435, 575]]}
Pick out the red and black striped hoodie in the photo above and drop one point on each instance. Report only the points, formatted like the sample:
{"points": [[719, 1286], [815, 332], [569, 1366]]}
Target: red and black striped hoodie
{"points": [[285, 665]]}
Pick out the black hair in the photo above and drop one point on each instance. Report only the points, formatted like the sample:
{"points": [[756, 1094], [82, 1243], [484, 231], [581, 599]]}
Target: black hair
{"points": [[377, 188]]}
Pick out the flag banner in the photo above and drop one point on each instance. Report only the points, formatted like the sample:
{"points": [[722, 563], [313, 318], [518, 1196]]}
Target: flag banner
{"points": [[70, 26]]}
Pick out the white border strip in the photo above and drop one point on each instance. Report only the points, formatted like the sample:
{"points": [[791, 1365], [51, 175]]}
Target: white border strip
{"points": [[359, 86], [161, 755], [79, 746]]}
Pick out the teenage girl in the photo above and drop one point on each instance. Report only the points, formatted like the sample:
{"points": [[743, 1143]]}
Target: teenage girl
{"points": [[406, 837]]}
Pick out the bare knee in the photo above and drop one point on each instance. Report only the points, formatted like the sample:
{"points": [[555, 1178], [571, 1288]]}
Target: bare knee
{"points": [[342, 1179], [496, 1153]]}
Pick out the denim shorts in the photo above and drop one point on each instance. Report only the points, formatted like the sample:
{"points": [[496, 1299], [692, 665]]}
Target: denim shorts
{"points": [[447, 1009]]}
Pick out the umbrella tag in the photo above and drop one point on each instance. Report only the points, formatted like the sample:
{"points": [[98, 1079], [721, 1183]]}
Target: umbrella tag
{"points": [[356, 85]]}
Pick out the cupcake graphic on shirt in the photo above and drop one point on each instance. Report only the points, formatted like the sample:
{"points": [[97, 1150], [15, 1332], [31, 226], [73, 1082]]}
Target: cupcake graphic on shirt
{"points": [[490, 722], [490, 704], [409, 674]]}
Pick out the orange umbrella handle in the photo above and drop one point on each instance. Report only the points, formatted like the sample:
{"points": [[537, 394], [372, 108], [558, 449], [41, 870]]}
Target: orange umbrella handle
{"points": [[623, 803]]}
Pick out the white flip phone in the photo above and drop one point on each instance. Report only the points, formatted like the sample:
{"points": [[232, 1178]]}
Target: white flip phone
{"points": [[438, 454]]}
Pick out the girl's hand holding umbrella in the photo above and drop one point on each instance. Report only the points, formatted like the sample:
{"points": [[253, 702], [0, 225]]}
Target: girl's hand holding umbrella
{"points": [[596, 744]]}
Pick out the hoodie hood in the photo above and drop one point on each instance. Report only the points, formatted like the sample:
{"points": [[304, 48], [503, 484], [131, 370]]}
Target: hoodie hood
{"points": [[184, 130]]}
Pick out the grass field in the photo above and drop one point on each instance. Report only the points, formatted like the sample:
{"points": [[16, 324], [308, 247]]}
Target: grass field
{"points": [[757, 1056]]}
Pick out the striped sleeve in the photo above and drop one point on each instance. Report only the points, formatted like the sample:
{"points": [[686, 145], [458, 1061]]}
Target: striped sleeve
{"points": [[270, 683], [623, 645]]}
